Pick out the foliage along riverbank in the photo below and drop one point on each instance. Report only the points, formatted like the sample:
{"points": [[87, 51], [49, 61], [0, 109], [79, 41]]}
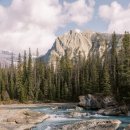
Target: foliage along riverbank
{"points": [[36, 81]]}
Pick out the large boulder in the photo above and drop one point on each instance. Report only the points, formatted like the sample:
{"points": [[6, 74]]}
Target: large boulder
{"points": [[96, 101], [106, 105], [26, 117], [94, 124]]}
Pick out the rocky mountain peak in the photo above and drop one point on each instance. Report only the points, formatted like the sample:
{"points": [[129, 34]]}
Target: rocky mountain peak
{"points": [[75, 42]]}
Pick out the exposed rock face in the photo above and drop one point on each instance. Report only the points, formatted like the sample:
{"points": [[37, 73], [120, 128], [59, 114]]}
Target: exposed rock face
{"points": [[85, 43], [95, 124], [96, 101], [106, 105], [20, 119]]}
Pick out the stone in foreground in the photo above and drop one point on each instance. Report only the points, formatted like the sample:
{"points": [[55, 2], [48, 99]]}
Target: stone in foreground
{"points": [[20, 119], [94, 124]]}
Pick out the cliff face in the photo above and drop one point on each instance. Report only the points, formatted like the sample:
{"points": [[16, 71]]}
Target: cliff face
{"points": [[85, 43]]}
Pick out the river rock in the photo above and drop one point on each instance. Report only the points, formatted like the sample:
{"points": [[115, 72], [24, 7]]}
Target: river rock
{"points": [[32, 113], [107, 105], [77, 114], [128, 127], [2, 128], [54, 108], [27, 116], [78, 108], [94, 124], [67, 106], [114, 111], [11, 119], [20, 119], [96, 101]]}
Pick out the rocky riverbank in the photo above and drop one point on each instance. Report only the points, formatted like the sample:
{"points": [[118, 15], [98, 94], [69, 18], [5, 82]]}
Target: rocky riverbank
{"points": [[105, 105], [20, 119], [24, 117]]}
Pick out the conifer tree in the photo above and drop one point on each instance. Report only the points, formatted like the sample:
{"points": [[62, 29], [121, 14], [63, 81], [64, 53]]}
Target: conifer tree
{"points": [[24, 75], [19, 82], [114, 63], [37, 76], [30, 76], [124, 67], [105, 83], [12, 78]]}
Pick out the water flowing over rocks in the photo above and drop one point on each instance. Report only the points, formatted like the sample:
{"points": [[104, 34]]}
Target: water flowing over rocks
{"points": [[94, 124], [62, 116], [107, 105], [77, 114]]}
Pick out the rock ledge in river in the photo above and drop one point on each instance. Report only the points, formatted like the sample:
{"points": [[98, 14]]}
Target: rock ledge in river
{"points": [[20, 119], [75, 114], [94, 124]]}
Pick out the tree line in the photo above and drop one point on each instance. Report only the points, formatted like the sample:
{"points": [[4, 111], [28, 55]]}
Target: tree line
{"points": [[33, 80]]}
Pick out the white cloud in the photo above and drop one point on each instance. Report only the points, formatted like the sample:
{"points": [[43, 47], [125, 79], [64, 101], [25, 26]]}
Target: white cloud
{"points": [[79, 11], [118, 18], [33, 23]]}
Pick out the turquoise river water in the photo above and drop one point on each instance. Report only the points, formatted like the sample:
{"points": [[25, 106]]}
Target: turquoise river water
{"points": [[61, 117]]}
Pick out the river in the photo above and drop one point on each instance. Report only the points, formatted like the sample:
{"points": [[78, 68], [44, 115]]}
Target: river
{"points": [[59, 117]]}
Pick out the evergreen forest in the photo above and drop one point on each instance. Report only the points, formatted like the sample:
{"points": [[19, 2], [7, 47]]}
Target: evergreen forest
{"points": [[35, 80]]}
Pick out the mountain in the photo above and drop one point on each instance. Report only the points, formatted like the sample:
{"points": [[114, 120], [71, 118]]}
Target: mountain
{"points": [[75, 42], [6, 56]]}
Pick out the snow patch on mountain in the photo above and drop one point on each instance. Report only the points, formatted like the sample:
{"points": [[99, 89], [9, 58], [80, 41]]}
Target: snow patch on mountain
{"points": [[77, 30]]}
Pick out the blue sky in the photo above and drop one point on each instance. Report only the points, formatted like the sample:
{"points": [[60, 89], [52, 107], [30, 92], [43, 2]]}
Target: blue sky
{"points": [[96, 24], [5, 2], [36, 23]]}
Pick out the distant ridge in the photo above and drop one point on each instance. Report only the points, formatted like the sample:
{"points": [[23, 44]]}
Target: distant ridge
{"points": [[5, 57]]}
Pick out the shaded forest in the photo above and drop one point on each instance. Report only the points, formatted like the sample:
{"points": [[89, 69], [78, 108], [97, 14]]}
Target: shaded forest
{"points": [[34, 80]]}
